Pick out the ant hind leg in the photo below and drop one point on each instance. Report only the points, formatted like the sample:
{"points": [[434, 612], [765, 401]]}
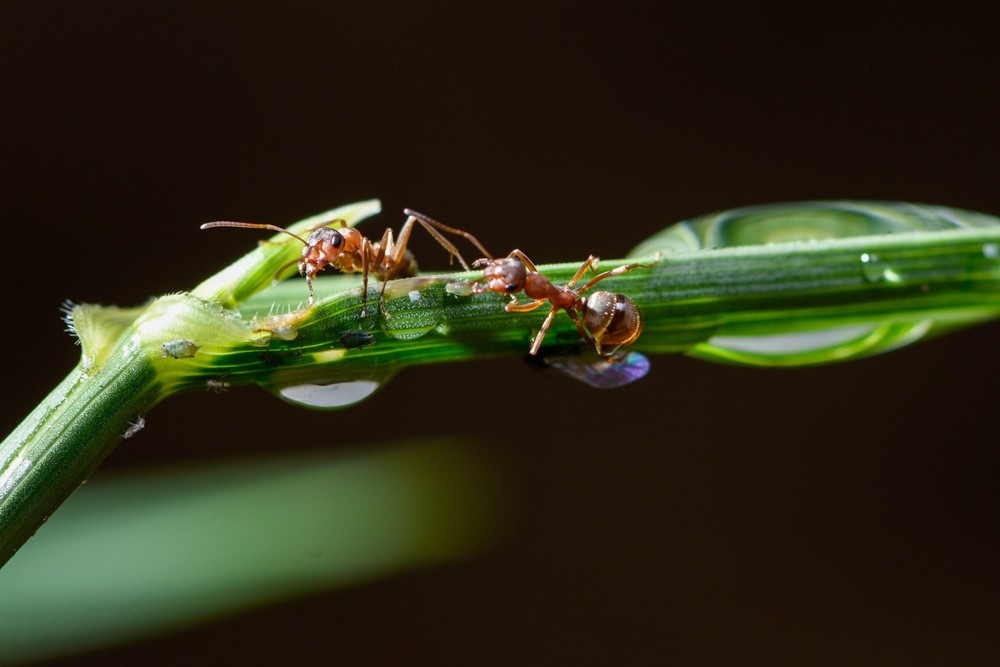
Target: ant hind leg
{"points": [[625, 268]]}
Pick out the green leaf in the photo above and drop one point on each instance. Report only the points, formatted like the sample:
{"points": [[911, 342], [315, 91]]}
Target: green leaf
{"points": [[157, 550]]}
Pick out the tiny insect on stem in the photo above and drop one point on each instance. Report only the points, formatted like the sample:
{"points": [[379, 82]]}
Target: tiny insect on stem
{"points": [[607, 321], [346, 249]]}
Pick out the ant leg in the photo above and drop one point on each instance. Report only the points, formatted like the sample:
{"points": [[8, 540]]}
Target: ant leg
{"points": [[391, 251], [582, 270], [430, 224], [625, 268], [537, 342], [277, 274], [386, 248], [312, 292], [446, 244], [587, 336], [515, 307], [404, 239], [524, 258], [366, 251]]}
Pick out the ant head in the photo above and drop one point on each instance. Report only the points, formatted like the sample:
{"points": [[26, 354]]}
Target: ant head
{"points": [[509, 272], [325, 235], [323, 247]]}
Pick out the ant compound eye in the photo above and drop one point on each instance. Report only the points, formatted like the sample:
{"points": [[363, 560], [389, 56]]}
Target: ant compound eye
{"points": [[510, 287], [337, 240]]}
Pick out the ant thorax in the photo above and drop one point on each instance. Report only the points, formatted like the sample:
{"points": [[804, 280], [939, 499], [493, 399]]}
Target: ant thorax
{"points": [[538, 286]]}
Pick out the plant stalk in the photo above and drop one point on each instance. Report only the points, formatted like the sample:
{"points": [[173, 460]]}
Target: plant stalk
{"points": [[788, 303]]}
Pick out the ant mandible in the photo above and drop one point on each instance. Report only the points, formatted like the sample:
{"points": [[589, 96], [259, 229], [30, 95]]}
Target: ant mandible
{"points": [[349, 251], [607, 321]]}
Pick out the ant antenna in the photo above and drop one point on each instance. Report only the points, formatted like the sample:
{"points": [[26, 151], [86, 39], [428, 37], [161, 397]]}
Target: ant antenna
{"points": [[252, 225]]}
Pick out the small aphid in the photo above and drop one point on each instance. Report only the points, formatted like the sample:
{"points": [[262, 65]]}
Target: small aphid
{"points": [[283, 327], [217, 386], [349, 251], [607, 321], [179, 349], [134, 427], [353, 339]]}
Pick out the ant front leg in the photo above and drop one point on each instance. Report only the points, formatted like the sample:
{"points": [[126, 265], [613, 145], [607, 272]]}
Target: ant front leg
{"points": [[388, 259], [312, 294], [366, 257], [524, 259], [515, 307]]}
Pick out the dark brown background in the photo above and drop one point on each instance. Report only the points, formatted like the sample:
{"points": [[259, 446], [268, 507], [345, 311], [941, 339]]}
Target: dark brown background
{"points": [[710, 515]]}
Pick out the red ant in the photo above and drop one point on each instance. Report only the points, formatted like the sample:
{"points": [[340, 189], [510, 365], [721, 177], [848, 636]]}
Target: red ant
{"points": [[606, 321], [349, 251]]}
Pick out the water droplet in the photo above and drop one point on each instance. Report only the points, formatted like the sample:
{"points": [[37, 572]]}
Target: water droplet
{"points": [[811, 347], [334, 395], [871, 267], [396, 328], [417, 314], [793, 343], [991, 250], [875, 270]]}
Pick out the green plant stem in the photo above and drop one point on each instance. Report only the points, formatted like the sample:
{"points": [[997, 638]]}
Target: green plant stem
{"points": [[720, 304], [58, 446]]}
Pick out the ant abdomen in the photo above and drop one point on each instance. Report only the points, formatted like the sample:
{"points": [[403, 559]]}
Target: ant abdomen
{"points": [[613, 320]]}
